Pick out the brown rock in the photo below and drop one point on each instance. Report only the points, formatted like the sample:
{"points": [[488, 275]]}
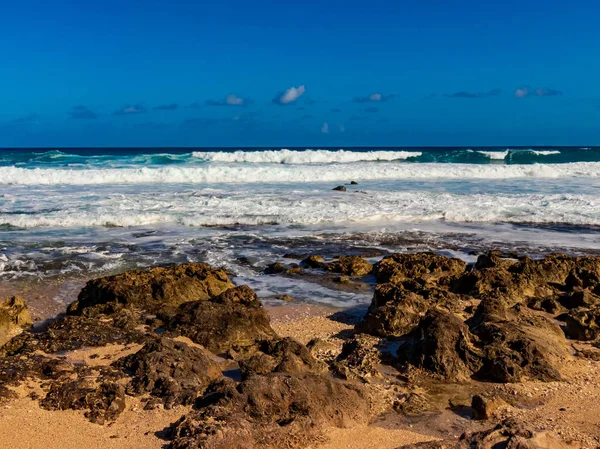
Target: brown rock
{"points": [[484, 407], [359, 359], [234, 318], [427, 266], [582, 323], [272, 411], [171, 370], [14, 317], [350, 266], [154, 290], [313, 261], [340, 188]]}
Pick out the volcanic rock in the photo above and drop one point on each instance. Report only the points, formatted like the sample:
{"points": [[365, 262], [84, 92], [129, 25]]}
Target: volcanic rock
{"points": [[350, 266], [14, 317], [427, 266]]}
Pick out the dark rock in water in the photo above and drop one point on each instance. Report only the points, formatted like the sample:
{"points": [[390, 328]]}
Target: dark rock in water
{"points": [[353, 183], [281, 268], [154, 290], [281, 356], [272, 411], [507, 434], [286, 298], [442, 344], [341, 280], [484, 406], [102, 403], [14, 317], [172, 370], [234, 318], [359, 359], [427, 266], [350, 266], [313, 261], [582, 323], [340, 188]]}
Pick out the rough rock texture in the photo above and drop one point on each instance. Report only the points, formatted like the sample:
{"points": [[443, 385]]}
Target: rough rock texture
{"points": [[282, 268], [313, 261], [350, 266], [582, 323], [171, 370], [507, 434], [281, 356], [102, 402], [14, 317], [427, 266], [484, 406], [276, 410], [397, 308], [235, 318], [443, 345], [156, 289], [359, 359]]}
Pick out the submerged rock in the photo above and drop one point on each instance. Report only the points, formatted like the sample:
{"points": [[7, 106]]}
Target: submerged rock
{"points": [[235, 318], [14, 317]]}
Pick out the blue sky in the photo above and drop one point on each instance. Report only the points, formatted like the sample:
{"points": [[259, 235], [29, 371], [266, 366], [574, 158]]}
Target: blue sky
{"points": [[311, 73]]}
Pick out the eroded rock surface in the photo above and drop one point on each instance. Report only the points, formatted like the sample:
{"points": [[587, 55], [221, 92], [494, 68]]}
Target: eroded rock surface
{"points": [[14, 317]]}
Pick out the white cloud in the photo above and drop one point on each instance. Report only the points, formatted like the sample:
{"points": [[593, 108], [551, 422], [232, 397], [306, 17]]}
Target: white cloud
{"points": [[229, 100], [290, 95], [522, 92], [234, 100], [374, 97], [325, 128]]}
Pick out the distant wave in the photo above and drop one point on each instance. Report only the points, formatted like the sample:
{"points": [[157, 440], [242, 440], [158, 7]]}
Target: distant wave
{"points": [[303, 157], [239, 173]]}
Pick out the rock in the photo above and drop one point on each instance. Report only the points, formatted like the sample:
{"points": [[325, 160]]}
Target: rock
{"points": [[313, 262], [340, 188], [443, 345], [350, 266], [154, 290], [359, 359], [507, 434], [14, 317], [397, 308], [427, 266], [579, 298], [171, 370], [286, 298], [484, 407], [234, 318], [353, 183], [281, 356], [342, 280], [582, 323], [518, 343], [276, 410], [318, 346], [281, 268], [103, 403]]}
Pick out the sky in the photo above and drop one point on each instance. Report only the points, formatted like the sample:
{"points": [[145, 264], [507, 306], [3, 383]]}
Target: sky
{"points": [[289, 73]]}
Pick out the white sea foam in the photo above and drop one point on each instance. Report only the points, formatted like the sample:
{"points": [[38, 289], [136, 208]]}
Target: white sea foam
{"points": [[316, 207], [495, 155], [273, 173], [304, 157], [545, 152]]}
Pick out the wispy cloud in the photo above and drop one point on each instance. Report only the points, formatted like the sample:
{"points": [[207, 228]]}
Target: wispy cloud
{"points": [[528, 91], [132, 109], [166, 107], [289, 96], [82, 112], [374, 98], [325, 128], [229, 100], [467, 94]]}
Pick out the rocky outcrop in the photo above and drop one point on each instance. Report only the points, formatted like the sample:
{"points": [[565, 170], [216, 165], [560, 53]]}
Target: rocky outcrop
{"points": [[426, 266], [14, 317], [359, 359], [350, 266], [582, 323], [102, 403], [281, 356], [171, 370], [154, 290], [274, 410], [507, 434], [235, 318]]}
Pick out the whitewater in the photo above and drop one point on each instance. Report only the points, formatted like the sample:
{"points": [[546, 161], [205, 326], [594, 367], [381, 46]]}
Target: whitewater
{"points": [[69, 211]]}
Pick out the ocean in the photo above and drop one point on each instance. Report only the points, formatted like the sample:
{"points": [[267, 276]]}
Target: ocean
{"points": [[89, 212]]}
